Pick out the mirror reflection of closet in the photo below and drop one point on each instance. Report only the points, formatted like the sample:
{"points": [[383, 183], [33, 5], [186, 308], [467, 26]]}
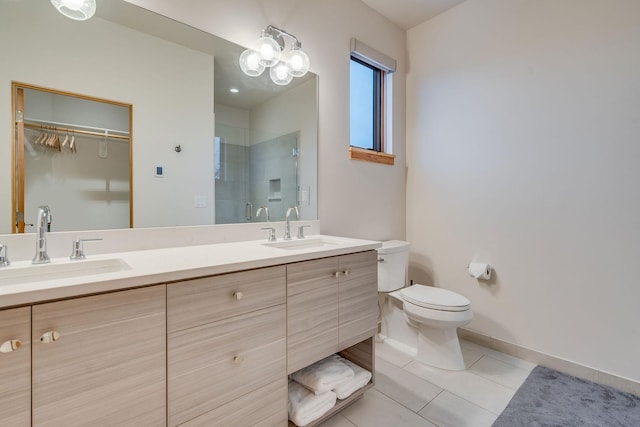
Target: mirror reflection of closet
{"points": [[73, 153]]}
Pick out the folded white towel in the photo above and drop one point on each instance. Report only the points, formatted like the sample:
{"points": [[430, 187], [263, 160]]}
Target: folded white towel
{"points": [[305, 406], [323, 375], [360, 379]]}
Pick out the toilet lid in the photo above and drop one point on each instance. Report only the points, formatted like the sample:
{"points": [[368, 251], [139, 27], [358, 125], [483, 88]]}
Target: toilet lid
{"points": [[435, 298]]}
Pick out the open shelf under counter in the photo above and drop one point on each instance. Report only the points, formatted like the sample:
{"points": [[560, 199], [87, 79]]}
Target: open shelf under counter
{"points": [[363, 355]]}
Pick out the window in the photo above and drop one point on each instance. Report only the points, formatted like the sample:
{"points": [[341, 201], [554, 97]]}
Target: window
{"points": [[366, 106], [369, 70]]}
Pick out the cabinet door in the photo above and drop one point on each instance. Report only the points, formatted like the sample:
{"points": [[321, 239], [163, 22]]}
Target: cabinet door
{"points": [[15, 367], [217, 363], [358, 301], [106, 364], [312, 312]]}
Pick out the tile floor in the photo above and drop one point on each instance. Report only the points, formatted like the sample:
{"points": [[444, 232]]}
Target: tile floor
{"points": [[410, 394]]}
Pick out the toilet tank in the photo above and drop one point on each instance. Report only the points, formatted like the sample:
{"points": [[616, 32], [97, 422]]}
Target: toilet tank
{"points": [[393, 258]]}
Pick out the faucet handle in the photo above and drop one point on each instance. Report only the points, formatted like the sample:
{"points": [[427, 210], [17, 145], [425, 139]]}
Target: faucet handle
{"points": [[77, 250], [301, 231], [272, 233], [4, 258]]}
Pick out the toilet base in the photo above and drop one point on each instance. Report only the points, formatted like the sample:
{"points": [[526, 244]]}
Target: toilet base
{"points": [[400, 346], [440, 347], [429, 344]]}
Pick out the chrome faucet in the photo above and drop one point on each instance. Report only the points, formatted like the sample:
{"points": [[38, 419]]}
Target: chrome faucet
{"points": [[263, 209], [287, 227], [43, 224]]}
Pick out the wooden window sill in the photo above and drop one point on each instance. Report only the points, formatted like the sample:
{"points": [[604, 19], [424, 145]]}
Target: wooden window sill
{"points": [[371, 156]]}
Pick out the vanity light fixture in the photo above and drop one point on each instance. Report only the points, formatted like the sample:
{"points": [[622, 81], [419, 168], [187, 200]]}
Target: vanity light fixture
{"points": [[80, 10], [286, 60]]}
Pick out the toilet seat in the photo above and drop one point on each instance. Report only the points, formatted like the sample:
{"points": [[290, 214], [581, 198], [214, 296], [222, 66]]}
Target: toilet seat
{"points": [[435, 298]]}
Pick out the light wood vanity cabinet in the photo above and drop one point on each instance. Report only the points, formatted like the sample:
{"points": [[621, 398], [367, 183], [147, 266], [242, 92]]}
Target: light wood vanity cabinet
{"points": [[212, 351], [332, 303], [104, 362], [332, 307], [15, 367], [226, 349]]}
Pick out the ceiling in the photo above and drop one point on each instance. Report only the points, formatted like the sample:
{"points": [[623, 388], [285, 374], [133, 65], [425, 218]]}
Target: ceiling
{"points": [[409, 13], [227, 73]]}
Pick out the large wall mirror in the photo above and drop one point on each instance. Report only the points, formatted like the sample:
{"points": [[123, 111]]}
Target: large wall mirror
{"points": [[222, 154]]}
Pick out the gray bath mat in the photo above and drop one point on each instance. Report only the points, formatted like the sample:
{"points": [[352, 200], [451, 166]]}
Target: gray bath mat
{"points": [[551, 398]]}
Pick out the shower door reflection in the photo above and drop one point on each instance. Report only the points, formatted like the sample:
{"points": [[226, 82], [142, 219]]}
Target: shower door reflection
{"points": [[250, 176]]}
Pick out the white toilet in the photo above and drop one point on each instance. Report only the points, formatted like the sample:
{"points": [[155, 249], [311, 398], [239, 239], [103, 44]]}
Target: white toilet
{"points": [[419, 320]]}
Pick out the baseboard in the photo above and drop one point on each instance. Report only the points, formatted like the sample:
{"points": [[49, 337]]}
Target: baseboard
{"points": [[562, 365]]}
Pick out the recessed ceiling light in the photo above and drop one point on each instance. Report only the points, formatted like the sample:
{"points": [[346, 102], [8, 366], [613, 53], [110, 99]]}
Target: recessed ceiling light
{"points": [[234, 90]]}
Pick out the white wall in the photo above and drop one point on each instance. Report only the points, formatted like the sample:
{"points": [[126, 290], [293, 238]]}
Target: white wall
{"points": [[522, 128], [135, 69], [234, 117], [355, 198]]}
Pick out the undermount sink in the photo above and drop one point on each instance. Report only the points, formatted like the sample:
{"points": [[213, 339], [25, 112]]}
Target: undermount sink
{"points": [[311, 243], [64, 270]]}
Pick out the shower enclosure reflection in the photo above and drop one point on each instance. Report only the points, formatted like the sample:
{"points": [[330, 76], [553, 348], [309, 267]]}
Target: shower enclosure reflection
{"points": [[265, 155], [249, 176]]}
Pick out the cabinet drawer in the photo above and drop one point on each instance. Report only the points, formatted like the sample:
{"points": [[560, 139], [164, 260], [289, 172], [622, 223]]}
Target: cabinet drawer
{"points": [[264, 407], [15, 368], [197, 302], [213, 364], [108, 366]]}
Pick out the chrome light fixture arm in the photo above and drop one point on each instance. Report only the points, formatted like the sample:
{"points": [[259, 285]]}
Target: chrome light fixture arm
{"points": [[278, 34]]}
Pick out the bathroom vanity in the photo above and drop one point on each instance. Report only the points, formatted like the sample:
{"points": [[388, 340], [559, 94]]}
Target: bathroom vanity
{"points": [[196, 336]]}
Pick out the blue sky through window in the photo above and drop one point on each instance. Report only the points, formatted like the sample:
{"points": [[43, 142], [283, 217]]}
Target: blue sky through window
{"points": [[361, 106]]}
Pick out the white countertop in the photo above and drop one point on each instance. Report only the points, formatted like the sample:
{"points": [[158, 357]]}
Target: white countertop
{"points": [[148, 267]]}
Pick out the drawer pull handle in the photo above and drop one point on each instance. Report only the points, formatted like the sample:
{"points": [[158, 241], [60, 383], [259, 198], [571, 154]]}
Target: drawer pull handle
{"points": [[336, 274], [49, 337], [238, 359], [238, 295], [346, 272], [10, 346]]}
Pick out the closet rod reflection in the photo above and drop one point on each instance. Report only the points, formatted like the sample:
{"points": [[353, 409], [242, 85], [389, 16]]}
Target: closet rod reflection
{"points": [[45, 128]]}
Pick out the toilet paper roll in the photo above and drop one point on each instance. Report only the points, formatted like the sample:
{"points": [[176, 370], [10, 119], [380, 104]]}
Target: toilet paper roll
{"points": [[480, 270]]}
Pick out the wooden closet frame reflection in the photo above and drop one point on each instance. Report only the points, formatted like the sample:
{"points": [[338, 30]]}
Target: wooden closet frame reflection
{"points": [[17, 148]]}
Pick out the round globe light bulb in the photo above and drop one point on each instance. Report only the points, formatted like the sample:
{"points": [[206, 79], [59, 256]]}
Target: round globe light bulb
{"points": [[280, 74], [269, 50], [80, 10], [298, 62], [250, 63]]}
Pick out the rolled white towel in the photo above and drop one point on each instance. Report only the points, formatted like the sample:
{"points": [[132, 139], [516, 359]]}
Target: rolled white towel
{"points": [[305, 406], [323, 375], [360, 379]]}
